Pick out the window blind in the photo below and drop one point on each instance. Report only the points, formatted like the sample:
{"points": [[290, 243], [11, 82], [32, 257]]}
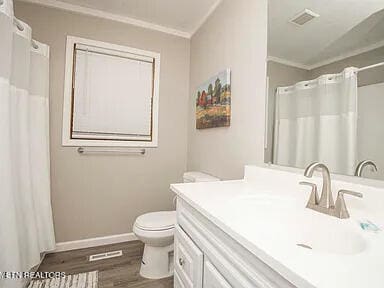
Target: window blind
{"points": [[112, 94]]}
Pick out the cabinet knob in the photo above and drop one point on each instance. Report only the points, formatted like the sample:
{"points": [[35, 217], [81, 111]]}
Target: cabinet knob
{"points": [[181, 261]]}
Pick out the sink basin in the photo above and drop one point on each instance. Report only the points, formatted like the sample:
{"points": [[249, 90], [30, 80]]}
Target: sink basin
{"points": [[285, 222]]}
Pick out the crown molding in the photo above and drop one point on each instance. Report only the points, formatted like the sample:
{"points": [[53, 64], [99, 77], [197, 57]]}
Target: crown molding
{"points": [[288, 62], [347, 55], [328, 61], [206, 17], [110, 16]]}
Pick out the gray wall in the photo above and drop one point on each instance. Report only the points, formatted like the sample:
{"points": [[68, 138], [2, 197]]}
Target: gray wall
{"points": [[370, 131], [102, 195], [235, 37]]}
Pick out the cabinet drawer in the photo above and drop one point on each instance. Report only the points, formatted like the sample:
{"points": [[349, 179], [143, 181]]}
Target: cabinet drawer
{"points": [[213, 278], [188, 260]]}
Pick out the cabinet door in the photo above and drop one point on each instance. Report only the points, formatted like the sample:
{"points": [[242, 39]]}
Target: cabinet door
{"points": [[188, 260], [213, 278], [178, 283]]}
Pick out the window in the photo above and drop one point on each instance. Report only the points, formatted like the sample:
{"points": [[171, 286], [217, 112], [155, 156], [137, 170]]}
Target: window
{"points": [[111, 95]]}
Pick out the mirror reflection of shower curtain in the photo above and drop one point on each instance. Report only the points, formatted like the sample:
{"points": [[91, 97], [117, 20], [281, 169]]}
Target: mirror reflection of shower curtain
{"points": [[316, 120], [26, 226]]}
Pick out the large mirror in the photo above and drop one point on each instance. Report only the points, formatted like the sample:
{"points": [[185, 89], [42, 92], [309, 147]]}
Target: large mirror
{"points": [[326, 85]]}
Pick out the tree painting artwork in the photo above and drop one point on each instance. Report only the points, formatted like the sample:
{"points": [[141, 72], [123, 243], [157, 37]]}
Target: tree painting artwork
{"points": [[213, 102]]}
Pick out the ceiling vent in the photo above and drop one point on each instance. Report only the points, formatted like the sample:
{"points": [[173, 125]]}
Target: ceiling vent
{"points": [[304, 17]]}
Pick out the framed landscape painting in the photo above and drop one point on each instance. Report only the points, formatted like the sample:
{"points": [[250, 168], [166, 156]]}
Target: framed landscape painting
{"points": [[213, 102]]}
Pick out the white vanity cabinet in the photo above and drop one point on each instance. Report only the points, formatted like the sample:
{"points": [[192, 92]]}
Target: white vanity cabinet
{"points": [[188, 260], [213, 278], [207, 257]]}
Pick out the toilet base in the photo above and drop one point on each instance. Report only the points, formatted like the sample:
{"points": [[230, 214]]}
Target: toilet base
{"points": [[157, 262]]}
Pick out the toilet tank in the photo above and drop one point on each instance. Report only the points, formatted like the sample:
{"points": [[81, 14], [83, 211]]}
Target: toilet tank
{"points": [[194, 176]]}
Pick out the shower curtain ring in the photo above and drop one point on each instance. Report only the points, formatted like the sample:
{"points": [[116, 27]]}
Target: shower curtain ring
{"points": [[18, 24], [34, 44]]}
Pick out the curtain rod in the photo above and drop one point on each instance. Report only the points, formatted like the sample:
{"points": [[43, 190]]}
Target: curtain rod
{"points": [[370, 66], [355, 71]]}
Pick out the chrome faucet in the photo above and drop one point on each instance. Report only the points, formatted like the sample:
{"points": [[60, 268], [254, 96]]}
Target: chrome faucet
{"points": [[326, 205], [360, 167]]}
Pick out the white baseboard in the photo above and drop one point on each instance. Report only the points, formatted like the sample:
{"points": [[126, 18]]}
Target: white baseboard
{"points": [[93, 242]]}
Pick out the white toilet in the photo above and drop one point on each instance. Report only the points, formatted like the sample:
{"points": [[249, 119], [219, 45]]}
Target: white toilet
{"points": [[156, 230]]}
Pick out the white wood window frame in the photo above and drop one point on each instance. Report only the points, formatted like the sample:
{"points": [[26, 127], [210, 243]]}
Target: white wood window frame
{"points": [[67, 139]]}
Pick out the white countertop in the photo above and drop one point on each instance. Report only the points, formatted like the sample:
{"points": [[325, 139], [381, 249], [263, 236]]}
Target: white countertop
{"points": [[255, 230]]}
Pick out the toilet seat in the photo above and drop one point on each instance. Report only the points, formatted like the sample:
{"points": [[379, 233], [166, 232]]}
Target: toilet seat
{"points": [[156, 229], [156, 237], [156, 221]]}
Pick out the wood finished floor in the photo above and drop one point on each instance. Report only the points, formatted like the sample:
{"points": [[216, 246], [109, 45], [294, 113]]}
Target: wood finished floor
{"points": [[115, 272]]}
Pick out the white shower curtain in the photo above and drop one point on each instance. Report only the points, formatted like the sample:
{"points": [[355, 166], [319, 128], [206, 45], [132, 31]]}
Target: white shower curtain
{"points": [[316, 120], [26, 227]]}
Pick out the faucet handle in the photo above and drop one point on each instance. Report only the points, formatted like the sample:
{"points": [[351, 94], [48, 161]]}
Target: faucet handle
{"points": [[349, 192], [314, 198], [340, 207]]}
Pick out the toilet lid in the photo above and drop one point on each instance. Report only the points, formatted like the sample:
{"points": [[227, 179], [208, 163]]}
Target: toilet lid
{"points": [[157, 220]]}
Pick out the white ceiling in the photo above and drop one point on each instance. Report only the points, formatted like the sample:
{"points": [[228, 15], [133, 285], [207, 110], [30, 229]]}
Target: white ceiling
{"points": [[184, 16], [344, 26]]}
